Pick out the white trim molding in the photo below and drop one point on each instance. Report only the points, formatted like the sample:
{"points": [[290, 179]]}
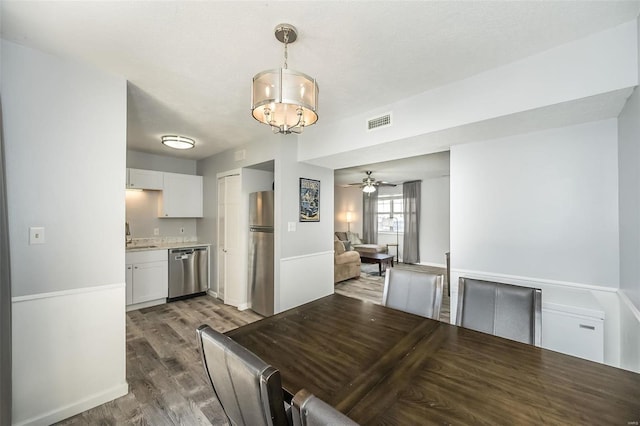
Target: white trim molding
{"points": [[528, 281]]}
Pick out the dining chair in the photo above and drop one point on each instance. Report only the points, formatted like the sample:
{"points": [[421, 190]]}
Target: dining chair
{"points": [[504, 310], [418, 293], [249, 390], [309, 410]]}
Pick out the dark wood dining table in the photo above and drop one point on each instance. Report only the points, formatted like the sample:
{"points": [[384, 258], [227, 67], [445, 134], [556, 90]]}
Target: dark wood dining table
{"points": [[383, 366]]}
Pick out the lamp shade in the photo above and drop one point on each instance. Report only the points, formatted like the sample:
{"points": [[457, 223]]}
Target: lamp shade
{"points": [[349, 217], [286, 100]]}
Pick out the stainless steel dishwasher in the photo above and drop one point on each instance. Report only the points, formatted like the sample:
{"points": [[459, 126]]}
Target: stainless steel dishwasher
{"points": [[188, 272]]}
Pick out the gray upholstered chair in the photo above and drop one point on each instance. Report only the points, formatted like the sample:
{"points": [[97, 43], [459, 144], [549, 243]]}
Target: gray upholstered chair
{"points": [[415, 292], [249, 390], [308, 410], [504, 310]]}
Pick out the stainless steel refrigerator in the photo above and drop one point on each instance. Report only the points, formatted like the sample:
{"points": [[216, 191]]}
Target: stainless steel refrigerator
{"points": [[261, 252]]}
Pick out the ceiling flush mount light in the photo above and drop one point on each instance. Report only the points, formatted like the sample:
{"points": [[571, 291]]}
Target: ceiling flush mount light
{"points": [[284, 99], [178, 142]]}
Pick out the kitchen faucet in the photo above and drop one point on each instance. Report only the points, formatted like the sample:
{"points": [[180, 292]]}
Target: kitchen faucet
{"points": [[127, 234]]}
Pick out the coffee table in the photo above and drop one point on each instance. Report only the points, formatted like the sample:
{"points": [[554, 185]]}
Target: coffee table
{"points": [[379, 258]]}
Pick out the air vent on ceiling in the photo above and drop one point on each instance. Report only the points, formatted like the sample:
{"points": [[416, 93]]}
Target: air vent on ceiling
{"points": [[378, 122]]}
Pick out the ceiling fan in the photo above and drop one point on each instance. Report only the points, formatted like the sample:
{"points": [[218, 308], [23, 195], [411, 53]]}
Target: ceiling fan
{"points": [[369, 183]]}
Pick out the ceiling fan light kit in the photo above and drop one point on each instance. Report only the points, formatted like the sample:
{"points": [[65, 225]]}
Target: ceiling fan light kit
{"points": [[369, 184], [284, 99]]}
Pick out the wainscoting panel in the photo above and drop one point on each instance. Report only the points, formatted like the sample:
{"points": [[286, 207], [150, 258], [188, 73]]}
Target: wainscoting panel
{"points": [[68, 352], [304, 278]]}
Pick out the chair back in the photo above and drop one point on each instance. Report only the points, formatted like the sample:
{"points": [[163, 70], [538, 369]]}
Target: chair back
{"points": [[249, 390], [504, 310], [309, 410], [418, 293]]}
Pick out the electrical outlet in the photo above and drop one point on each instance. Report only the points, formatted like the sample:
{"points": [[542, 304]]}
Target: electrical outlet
{"points": [[156, 231], [181, 230]]}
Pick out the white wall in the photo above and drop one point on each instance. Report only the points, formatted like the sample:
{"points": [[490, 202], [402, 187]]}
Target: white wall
{"points": [[161, 163], [629, 182], [65, 136], [540, 205], [541, 208], [347, 200], [142, 215]]}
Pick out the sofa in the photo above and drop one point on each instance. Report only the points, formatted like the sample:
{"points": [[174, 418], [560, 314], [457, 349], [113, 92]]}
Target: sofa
{"points": [[346, 264], [357, 245]]}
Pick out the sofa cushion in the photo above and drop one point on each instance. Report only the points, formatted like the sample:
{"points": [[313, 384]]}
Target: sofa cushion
{"points": [[338, 247], [342, 236]]}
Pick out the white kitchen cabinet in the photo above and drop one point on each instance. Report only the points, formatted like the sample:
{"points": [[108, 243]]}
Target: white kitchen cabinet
{"points": [[148, 279], [144, 179], [181, 196], [573, 323], [129, 281]]}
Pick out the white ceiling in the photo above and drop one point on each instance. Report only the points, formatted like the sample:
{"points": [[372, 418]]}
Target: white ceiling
{"points": [[190, 64]]}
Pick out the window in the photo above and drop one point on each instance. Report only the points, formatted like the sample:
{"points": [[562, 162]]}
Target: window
{"points": [[390, 213]]}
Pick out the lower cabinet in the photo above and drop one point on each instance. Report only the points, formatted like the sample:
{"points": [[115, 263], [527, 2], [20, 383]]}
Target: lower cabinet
{"points": [[147, 277], [573, 323]]}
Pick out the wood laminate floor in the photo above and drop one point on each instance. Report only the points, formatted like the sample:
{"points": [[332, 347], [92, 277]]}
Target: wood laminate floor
{"points": [[167, 384]]}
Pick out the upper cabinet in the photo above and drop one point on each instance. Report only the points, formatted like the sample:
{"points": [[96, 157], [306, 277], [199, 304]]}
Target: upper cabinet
{"points": [[144, 179], [181, 196]]}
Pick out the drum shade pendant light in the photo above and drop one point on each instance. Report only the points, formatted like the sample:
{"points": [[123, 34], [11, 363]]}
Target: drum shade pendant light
{"points": [[178, 142], [284, 99]]}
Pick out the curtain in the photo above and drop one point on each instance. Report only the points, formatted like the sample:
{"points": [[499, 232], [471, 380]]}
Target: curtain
{"points": [[5, 295], [411, 199], [370, 217]]}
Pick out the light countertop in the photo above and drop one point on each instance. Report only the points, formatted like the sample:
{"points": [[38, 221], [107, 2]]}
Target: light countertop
{"points": [[163, 246]]}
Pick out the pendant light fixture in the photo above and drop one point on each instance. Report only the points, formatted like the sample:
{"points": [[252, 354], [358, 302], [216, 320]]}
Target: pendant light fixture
{"points": [[178, 142], [284, 99]]}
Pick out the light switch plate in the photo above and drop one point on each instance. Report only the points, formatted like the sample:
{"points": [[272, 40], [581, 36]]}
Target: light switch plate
{"points": [[291, 226], [36, 235]]}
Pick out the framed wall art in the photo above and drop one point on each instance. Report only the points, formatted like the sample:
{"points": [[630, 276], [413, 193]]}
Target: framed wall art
{"points": [[309, 200]]}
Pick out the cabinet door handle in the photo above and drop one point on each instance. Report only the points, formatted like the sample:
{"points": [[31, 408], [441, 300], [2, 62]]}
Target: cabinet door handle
{"points": [[135, 267], [588, 327]]}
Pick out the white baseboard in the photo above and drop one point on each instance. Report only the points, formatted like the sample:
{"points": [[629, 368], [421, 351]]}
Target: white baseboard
{"points": [[213, 294], [243, 306], [435, 265], [147, 304], [83, 405]]}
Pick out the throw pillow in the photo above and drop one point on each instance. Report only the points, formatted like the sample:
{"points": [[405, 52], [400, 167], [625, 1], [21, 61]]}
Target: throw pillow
{"points": [[353, 238], [347, 245]]}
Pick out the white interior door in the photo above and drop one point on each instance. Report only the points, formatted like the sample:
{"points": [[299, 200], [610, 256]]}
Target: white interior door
{"points": [[221, 238], [231, 273]]}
